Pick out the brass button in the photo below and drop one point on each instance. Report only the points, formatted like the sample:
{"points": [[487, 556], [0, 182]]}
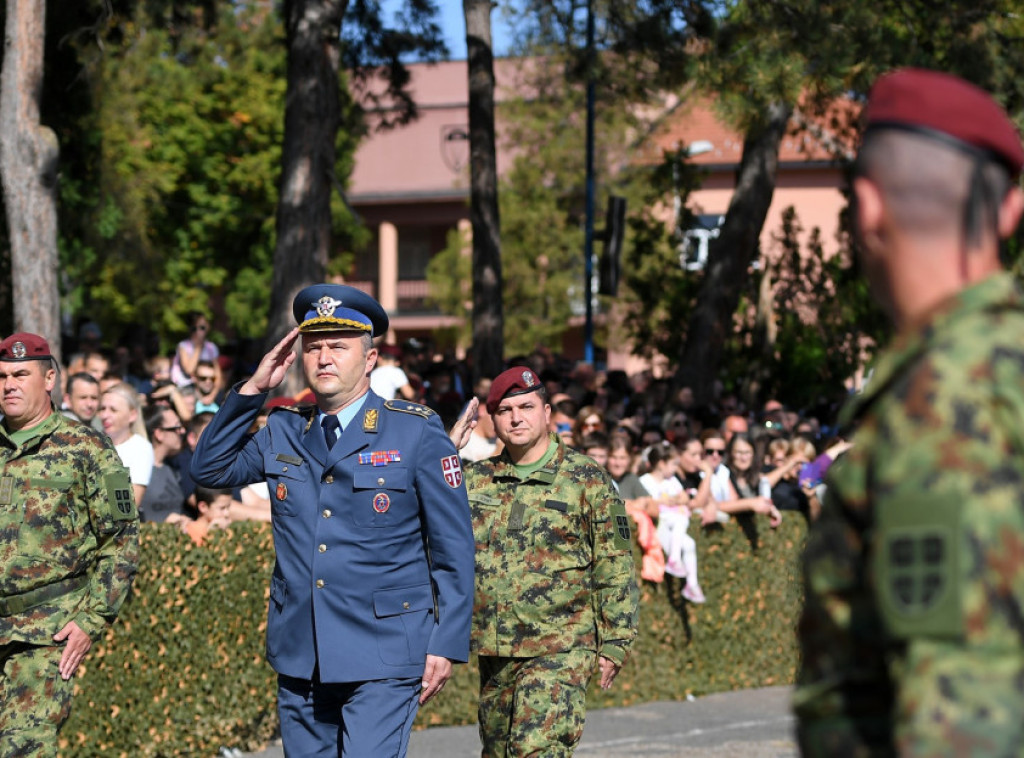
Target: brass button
{"points": [[405, 605], [319, 584], [329, 479], [285, 468], [327, 512], [322, 548], [380, 481]]}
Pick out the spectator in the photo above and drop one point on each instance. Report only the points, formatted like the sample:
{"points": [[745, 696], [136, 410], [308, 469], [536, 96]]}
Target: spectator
{"points": [[696, 473], [589, 419], [734, 424], [748, 490], [639, 505], [562, 420], [595, 445], [164, 500], [787, 457], [388, 379], [120, 414], [673, 517], [192, 350], [213, 506], [207, 387], [676, 426], [713, 445], [83, 397]]}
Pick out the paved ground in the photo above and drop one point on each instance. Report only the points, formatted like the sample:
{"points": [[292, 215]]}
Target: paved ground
{"points": [[748, 723]]}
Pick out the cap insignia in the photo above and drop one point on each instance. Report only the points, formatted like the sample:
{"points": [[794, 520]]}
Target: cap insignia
{"points": [[528, 378], [18, 350], [325, 306]]}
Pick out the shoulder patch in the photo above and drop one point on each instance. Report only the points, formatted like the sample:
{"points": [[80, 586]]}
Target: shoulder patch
{"points": [[404, 406], [120, 502]]}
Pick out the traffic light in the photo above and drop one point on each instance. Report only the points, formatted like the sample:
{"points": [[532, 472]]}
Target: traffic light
{"points": [[611, 262]]}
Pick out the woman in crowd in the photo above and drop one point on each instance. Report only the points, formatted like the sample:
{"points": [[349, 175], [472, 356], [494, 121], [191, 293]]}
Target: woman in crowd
{"points": [[747, 490], [197, 347], [588, 420], [121, 415]]}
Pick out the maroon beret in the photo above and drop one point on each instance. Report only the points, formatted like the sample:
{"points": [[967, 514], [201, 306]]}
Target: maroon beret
{"points": [[517, 380], [946, 107], [24, 346]]}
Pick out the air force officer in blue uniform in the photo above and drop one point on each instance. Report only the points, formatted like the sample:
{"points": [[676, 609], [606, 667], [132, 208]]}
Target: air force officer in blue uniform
{"points": [[371, 596]]}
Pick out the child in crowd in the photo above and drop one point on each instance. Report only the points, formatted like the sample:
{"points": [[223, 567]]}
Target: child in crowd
{"points": [[673, 516], [214, 506]]}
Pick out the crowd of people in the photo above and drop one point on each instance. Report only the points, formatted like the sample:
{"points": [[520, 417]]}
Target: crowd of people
{"points": [[678, 466]]}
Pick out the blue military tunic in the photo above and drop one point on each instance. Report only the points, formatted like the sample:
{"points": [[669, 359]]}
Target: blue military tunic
{"points": [[374, 545]]}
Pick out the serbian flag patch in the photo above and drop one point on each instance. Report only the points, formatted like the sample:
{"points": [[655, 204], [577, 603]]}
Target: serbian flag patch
{"points": [[452, 469]]}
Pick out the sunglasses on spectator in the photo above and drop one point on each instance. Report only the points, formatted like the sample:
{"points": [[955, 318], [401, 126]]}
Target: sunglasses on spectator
{"points": [[179, 429], [200, 328], [205, 377], [713, 450]]}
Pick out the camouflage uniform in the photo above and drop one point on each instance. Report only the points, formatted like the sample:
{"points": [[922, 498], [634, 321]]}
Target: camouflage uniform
{"points": [[913, 630], [555, 587], [68, 552]]}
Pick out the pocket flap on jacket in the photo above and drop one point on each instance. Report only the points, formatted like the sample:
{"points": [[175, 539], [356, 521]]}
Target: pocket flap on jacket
{"points": [[393, 602], [381, 478]]}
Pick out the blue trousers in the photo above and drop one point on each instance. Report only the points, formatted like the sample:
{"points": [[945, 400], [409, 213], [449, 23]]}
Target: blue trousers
{"points": [[349, 720]]}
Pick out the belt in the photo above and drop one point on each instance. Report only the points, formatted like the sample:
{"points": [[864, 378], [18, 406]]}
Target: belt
{"points": [[9, 606]]}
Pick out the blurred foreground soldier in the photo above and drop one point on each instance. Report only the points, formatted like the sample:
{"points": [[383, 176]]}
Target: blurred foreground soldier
{"points": [[556, 592], [913, 629], [371, 595], [69, 543]]}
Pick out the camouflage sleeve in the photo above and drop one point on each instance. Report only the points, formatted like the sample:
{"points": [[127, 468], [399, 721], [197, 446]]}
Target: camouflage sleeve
{"points": [[115, 522], [913, 619], [615, 584], [949, 574]]}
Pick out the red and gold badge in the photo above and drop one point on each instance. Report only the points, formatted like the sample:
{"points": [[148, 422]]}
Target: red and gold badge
{"points": [[381, 502], [282, 490]]}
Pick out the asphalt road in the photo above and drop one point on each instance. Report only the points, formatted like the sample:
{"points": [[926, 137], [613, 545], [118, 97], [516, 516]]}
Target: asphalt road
{"points": [[748, 723]]}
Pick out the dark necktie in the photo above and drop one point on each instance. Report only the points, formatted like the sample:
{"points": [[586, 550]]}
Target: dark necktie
{"points": [[330, 426]]}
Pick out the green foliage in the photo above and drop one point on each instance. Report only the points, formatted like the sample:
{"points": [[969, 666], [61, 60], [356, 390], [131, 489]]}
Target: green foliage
{"points": [[182, 672], [186, 129]]}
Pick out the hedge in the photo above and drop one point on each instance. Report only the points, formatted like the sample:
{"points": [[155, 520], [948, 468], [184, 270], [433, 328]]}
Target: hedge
{"points": [[182, 671]]}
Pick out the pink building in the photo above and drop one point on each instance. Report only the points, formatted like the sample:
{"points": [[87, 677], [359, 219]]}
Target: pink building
{"points": [[410, 186]]}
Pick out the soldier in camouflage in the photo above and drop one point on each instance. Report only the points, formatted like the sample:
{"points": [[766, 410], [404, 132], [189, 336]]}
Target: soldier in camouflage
{"points": [[913, 629], [68, 547], [556, 592]]}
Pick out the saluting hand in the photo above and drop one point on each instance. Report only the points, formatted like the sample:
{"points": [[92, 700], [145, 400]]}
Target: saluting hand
{"points": [[76, 646], [273, 368], [459, 435]]}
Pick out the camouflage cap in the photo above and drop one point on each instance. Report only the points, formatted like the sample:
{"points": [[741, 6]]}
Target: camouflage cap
{"points": [[25, 346], [946, 108], [517, 380]]}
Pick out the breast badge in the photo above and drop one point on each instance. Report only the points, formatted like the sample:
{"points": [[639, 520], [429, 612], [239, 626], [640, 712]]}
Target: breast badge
{"points": [[381, 502], [282, 491]]}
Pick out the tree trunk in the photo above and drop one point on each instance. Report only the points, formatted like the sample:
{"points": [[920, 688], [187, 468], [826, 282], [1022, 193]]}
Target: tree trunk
{"points": [[311, 119], [729, 257], [488, 320], [28, 169]]}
